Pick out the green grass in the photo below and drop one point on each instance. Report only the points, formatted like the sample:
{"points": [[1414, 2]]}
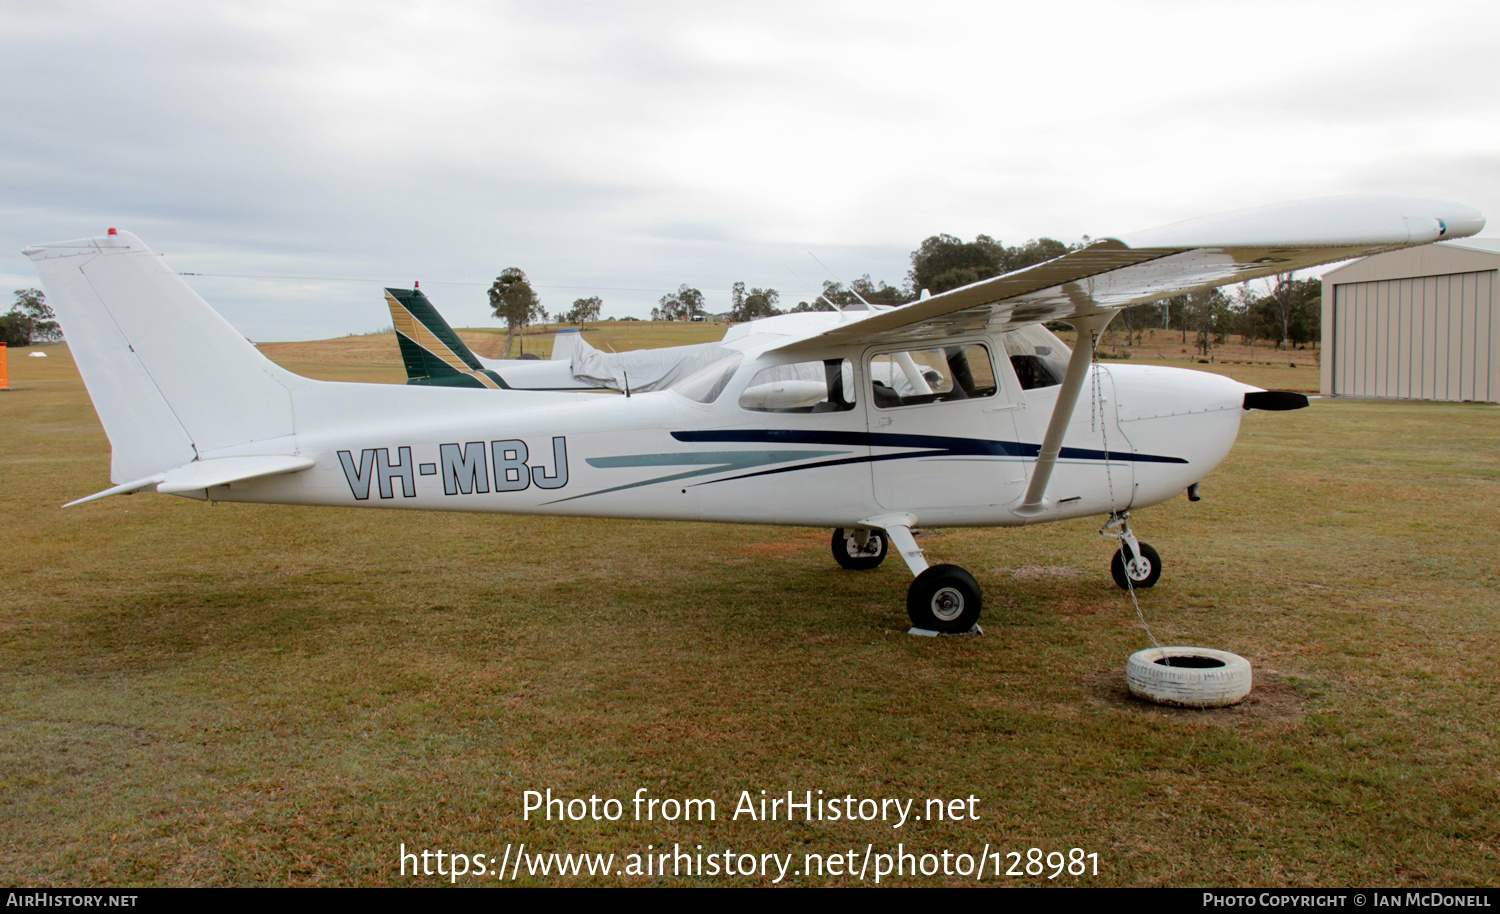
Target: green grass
{"points": [[239, 694]]}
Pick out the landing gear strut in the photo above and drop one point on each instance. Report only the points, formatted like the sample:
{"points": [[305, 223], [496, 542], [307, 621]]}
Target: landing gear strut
{"points": [[1135, 565]]}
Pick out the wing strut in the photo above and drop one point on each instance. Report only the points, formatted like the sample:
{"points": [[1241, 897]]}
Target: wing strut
{"points": [[1089, 327]]}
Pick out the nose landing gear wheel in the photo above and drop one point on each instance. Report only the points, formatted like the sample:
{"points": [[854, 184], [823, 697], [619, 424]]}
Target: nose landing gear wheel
{"points": [[1142, 573], [847, 551], [944, 598]]}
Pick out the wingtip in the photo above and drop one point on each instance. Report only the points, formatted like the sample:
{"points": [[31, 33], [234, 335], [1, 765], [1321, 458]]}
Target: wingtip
{"points": [[1461, 222], [1358, 221]]}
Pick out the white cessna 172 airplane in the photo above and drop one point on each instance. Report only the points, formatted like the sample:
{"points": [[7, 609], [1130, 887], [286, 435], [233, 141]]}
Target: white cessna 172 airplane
{"points": [[956, 410]]}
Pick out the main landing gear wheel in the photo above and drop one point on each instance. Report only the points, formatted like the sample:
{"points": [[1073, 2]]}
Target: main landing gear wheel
{"points": [[849, 554], [1141, 573], [944, 598]]}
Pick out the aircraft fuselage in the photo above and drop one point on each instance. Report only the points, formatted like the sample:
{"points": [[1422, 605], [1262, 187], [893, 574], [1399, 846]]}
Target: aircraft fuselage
{"points": [[1139, 436]]}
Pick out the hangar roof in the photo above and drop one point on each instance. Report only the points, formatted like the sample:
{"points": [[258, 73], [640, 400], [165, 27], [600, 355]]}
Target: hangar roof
{"points": [[1467, 255]]}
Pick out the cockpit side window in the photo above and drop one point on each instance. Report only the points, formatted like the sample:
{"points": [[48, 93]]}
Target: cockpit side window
{"points": [[802, 387], [940, 375]]}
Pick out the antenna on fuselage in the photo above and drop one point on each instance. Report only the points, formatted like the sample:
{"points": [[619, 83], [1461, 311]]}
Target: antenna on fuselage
{"points": [[831, 304], [868, 306]]}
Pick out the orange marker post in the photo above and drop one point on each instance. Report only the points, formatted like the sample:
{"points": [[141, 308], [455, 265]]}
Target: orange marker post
{"points": [[4, 370]]}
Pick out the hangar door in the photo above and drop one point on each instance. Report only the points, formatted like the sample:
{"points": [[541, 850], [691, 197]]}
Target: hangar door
{"points": [[1424, 338]]}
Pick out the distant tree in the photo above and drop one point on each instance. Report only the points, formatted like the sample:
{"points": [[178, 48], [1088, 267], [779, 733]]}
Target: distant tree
{"points": [[880, 293], [584, 310], [1208, 313], [1243, 316], [861, 290], [1174, 313], [15, 329], [1135, 321], [835, 293], [30, 320], [684, 304], [944, 262], [753, 304], [1292, 309], [1035, 251], [514, 301]]}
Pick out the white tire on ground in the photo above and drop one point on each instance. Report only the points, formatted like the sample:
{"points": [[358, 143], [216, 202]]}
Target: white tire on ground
{"points": [[1198, 677]]}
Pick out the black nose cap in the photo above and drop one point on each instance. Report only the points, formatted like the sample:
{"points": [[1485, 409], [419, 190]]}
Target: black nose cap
{"points": [[1275, 400]]}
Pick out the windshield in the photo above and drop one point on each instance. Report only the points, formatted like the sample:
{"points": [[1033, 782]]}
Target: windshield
{"points": [[705, 384]]}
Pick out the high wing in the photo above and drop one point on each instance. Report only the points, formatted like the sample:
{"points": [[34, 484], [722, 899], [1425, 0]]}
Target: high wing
{"points": [[1088, 287], [1147, 266]]}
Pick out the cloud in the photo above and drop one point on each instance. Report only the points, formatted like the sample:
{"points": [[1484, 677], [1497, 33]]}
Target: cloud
{"points": [[645, 145]]}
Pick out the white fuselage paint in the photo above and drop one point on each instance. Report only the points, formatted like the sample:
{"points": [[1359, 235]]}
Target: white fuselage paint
{"points": [[177, 388], [726, 463]]}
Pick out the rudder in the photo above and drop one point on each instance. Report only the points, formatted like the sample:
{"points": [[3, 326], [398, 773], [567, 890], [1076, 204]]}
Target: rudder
{"points": [[170, 379]]}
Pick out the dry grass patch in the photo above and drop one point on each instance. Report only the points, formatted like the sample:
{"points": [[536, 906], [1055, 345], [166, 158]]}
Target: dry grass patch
{"points": [[251, 694]]}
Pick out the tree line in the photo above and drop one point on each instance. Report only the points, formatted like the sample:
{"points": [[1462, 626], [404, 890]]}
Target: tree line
{"points": [[942, 262], [1287, 311], [1281, 310]]}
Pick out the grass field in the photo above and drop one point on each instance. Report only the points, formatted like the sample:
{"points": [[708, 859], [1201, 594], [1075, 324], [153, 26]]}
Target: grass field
{"points": [[255, 695], [1259, 364]]}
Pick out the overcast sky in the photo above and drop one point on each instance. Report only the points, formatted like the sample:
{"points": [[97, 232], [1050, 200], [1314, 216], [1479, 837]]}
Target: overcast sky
{"points": [[621, 149]]}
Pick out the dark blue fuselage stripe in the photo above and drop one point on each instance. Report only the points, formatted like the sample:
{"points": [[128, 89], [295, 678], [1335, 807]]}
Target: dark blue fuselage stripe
{"points": [[934, 445]]}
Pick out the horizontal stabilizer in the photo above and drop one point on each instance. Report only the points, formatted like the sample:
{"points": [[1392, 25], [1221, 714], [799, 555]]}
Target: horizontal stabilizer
{"points": [[205, 474], [124, 488]]}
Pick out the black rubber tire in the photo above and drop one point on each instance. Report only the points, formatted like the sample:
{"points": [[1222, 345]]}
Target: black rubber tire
{"points": [[844, 554], [944, 598], [1117, 569]]}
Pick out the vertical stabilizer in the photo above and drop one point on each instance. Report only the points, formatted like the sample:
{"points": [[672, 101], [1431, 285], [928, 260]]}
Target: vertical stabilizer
{"points": [[431, 351], [566, 343], [170, 378]]}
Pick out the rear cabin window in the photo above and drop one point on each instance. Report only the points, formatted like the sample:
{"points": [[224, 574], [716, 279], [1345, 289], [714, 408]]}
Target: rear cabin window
{"points": [[802, 387], [936, 375]]}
